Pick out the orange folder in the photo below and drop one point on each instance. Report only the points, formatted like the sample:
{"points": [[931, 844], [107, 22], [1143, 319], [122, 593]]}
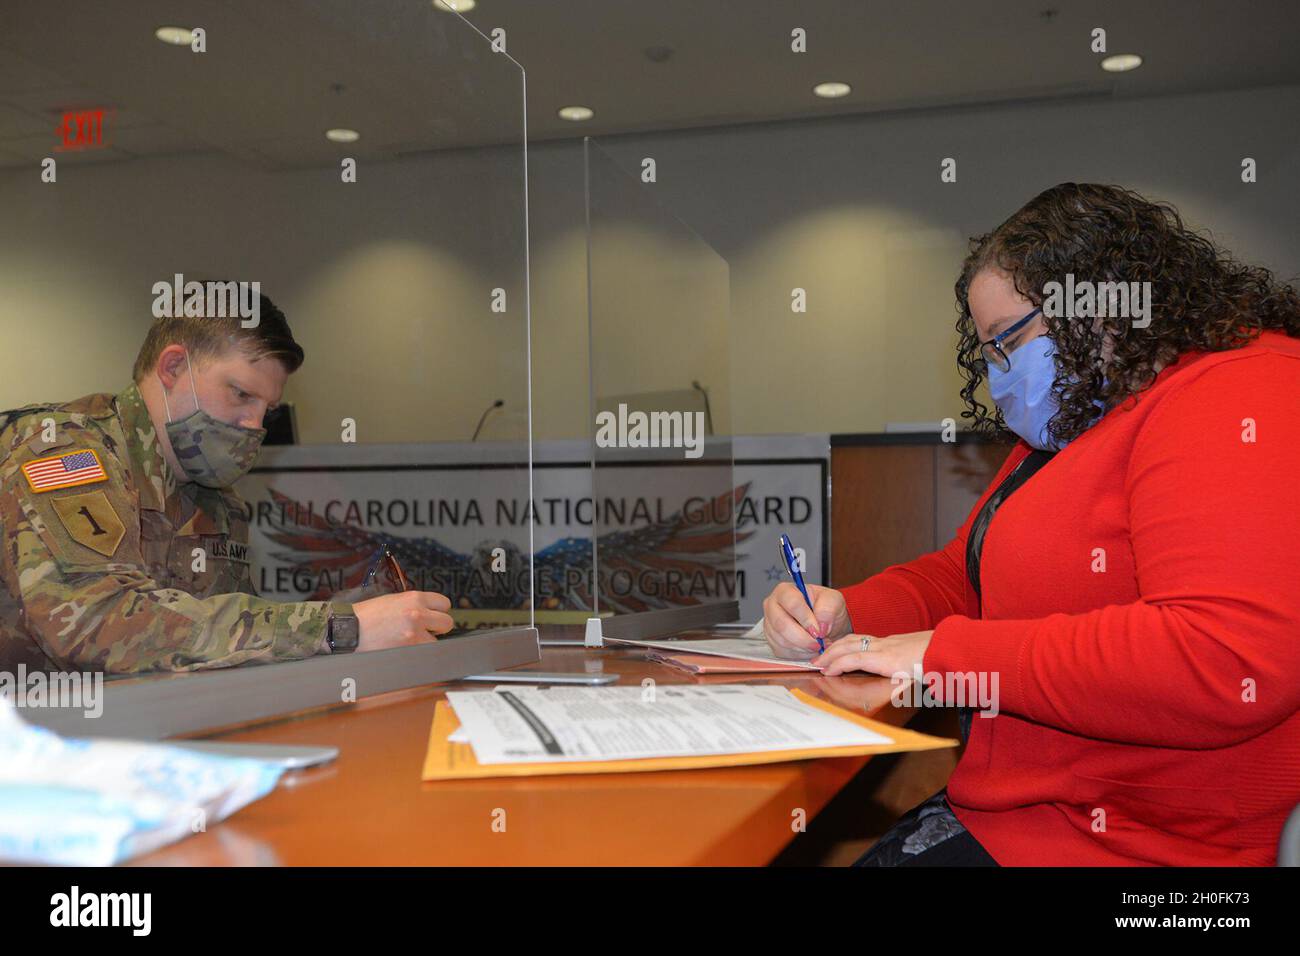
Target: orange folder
{"points": [[445, 760]]}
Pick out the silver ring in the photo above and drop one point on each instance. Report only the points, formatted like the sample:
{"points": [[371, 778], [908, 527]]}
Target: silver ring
{"points": [[866, 643]]}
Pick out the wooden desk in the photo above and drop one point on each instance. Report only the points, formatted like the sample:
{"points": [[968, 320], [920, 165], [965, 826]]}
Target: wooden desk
{"points": [[370, 808]]}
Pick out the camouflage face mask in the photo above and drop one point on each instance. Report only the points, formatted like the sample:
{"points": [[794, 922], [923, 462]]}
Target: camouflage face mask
{"points": [[212, 453]]}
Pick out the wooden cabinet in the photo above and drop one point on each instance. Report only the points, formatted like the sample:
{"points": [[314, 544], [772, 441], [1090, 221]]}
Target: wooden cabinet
{"points": [[895, 497]]}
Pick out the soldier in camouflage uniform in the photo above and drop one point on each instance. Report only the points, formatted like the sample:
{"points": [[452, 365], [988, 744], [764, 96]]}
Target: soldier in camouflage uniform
{"points": [[116, 560]]}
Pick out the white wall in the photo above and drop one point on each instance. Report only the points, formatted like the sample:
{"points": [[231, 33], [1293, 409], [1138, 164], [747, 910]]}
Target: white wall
{"points": [[387, 283], [852, 210]]}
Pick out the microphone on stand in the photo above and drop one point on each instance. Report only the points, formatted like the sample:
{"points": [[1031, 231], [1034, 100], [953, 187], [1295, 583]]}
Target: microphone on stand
{"points": [[482, 418], [708, 412]]}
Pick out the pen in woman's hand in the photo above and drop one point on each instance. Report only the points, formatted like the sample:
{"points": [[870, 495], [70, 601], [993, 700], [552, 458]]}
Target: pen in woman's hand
{"points": [[792, 565]]}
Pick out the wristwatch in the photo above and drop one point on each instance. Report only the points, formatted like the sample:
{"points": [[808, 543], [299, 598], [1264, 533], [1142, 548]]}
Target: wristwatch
{"points": [[342, 632]]}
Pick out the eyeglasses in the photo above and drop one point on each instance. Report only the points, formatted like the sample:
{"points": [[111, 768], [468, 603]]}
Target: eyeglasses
{"points": [[384, 562], [992, 349]]}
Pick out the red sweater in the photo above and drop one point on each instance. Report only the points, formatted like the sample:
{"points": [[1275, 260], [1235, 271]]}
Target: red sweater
{"points": [[1164, 690]]}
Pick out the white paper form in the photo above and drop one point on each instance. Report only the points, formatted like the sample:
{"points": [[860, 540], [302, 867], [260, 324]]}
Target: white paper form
{"points": [[532, 724], [736, 648]]}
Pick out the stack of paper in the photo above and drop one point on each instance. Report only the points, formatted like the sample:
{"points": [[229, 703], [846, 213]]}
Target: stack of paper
{"points": [[732, 653], [725, 664], [517, 731]]}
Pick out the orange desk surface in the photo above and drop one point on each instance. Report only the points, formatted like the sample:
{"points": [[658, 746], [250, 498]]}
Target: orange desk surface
{"points": [[370, 808]]}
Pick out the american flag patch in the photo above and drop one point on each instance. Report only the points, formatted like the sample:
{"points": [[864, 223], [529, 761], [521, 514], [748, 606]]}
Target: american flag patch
{"points": [[64, 471]]}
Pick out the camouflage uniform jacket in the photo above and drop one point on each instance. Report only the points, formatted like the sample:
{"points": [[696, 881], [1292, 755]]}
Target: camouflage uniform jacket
{"points": [[131, 571]]}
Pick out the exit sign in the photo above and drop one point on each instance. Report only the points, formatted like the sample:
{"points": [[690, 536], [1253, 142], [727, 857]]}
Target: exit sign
{"points": [[83, 129]]}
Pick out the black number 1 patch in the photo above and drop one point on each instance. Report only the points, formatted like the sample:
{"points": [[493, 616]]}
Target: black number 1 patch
{"points": [[96, 529], [90, 520]]}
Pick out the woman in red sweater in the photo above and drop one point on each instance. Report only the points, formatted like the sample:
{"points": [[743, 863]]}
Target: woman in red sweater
{"points": [[1128, 588]]}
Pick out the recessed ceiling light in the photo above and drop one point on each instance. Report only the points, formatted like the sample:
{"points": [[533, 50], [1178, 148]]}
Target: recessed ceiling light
{"points": [[454, 6], [342, 135], [576, 113], [176, 36], [833, 90], [1121, 63]]}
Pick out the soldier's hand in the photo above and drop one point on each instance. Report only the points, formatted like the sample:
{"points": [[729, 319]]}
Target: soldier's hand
{"points": [[408, 617]]}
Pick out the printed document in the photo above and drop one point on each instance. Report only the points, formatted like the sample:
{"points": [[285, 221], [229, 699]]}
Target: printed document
{"points": [[513, 724]]}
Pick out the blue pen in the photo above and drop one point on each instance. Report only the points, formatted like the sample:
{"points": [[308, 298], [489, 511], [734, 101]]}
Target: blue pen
{"points": [[787, 555]]}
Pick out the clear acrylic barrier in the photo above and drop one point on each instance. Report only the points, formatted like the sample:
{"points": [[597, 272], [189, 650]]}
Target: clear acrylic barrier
{"points": [[399, 259], [664, 493]]}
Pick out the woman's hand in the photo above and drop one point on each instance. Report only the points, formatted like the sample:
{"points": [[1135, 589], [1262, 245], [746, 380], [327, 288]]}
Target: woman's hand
{"points": [[897, 654], [792, 627]]}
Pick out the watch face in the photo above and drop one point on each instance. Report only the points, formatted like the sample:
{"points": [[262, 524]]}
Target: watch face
{"points": [[345, 632]]}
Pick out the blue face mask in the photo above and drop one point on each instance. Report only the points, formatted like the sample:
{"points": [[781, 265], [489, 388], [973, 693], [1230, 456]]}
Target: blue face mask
{"points": [[1024, 392]]}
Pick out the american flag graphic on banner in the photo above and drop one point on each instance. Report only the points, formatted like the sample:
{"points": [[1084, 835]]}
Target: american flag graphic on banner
{"points": [[64, 471]]}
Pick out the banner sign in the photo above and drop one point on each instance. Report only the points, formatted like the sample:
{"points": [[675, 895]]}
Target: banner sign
{"points": [[457, 518]]}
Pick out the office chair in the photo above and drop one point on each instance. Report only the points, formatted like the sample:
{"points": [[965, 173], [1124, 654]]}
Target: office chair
{"points": [[1288, 848]]}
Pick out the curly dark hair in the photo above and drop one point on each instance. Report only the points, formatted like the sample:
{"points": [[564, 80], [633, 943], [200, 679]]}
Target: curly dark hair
{"points": [[1201, 299]]}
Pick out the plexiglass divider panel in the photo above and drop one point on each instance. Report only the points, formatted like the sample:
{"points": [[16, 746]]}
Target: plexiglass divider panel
{"points": [[364, 166], [664, 492]]}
